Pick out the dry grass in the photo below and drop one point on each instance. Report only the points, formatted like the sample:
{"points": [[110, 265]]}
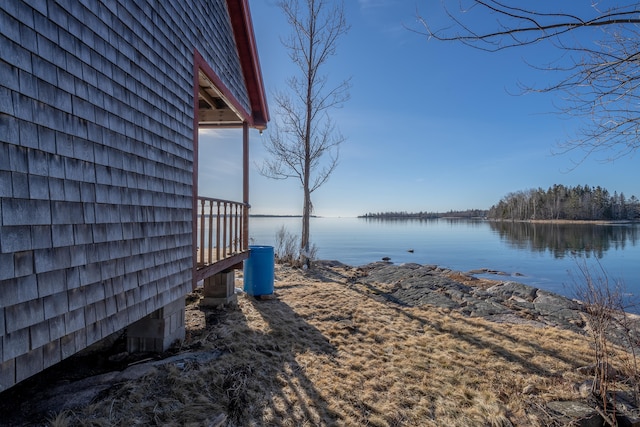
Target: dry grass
{"points": [[332, 352]]}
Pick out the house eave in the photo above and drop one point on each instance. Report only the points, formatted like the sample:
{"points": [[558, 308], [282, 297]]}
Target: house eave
{"points": [[245, 39]]}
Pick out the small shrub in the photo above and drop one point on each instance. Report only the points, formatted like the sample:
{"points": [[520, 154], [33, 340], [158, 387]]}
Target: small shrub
{"points": [[609, 324], [287, 246], [287, 249]]}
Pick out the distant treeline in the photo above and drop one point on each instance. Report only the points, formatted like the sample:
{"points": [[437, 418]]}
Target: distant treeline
{"points": [[567, 203], [469, 213]]}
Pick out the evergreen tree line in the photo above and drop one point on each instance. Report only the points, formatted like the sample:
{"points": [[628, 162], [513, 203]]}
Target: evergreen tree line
{"points": [[568, 203], [469, 213]]}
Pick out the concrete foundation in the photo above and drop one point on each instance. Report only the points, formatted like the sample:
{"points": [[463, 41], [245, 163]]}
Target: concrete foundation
{"points": [[219, 289], [159, 330]]}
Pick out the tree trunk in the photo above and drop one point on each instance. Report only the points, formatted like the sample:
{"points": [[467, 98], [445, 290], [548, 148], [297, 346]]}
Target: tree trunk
{"points": [[306, 210], [304, 241]]}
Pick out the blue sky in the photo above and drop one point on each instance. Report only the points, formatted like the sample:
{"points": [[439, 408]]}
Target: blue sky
{"points": [[430, 126]]}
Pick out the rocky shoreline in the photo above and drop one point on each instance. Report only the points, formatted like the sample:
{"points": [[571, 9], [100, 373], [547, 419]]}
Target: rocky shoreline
{"points": [[497, 300]]}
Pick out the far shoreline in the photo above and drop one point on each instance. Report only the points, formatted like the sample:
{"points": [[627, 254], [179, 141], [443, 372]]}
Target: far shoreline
{"points": [[279, 216], [532, 221], [570, 221]]}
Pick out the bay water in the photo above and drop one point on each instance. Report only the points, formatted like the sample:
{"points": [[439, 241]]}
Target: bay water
{"points": [[547, 256]]}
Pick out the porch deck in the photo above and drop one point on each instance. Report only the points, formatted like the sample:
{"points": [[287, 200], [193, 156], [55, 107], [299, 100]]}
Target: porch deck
{"points": [[222, 236]]}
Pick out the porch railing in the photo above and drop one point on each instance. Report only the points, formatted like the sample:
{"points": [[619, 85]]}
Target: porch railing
{"points": [[222, 233]]}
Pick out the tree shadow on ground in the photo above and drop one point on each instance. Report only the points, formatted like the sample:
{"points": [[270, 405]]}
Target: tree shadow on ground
{"points": [[371, 290], [527, 355], [477, 341], [287, 335], [252, 376]]}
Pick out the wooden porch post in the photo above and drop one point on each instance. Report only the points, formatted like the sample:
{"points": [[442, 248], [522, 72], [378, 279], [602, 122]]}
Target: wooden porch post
{"points": [[194, 206], [245, 185]]}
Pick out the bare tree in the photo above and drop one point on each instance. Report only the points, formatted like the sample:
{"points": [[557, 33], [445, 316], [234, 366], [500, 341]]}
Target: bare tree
{"points": [[304, 141], [598, 66]]}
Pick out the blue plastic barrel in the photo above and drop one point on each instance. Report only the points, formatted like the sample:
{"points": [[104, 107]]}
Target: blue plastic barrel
{"points": [[258, 271]]}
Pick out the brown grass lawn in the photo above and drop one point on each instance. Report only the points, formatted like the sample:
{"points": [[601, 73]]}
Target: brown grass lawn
{"points": [[330, 351]]}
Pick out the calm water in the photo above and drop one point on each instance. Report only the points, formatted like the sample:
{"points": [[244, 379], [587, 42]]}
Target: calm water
{"points": [[547, 255]]}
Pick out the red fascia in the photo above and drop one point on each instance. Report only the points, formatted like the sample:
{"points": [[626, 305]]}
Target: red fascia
{"points": [[245, 40]]}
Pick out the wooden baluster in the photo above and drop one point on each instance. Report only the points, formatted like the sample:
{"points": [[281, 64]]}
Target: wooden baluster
{"points": [[210, 241], [235, 229], [241, 229], [218, 233], [224, 231], [201, 246], [230, 229]]}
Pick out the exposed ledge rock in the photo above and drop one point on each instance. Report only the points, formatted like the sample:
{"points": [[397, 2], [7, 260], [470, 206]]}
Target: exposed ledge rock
{"points": [[503, 301]]}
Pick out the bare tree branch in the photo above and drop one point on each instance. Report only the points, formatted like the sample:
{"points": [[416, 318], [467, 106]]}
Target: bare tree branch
{"points": [[598, 69]]}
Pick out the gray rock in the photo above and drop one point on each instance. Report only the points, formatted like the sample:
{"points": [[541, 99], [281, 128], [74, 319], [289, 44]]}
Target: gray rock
{"points": [[83, 392], [558, 310], [579, 413], [585, 389], [436, 299], [515, 319], [609, 370], [485, 308], [513, 289], [551, 299]]}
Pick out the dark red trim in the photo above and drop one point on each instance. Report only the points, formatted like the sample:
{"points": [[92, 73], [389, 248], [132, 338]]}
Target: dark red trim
{"points": [[194, 210], [245, 40], [233, 262], [245, 185]]}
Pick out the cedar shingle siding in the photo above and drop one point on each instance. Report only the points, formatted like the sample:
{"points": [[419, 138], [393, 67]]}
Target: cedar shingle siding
{"points": [[96, 166]]}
